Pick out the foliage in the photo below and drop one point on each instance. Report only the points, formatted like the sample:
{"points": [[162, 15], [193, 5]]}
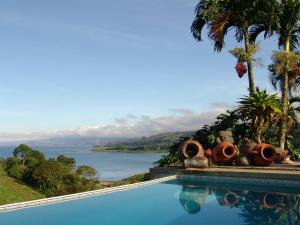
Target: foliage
{"points": [[242, 56], [222, 15], [168, 160], [231, 120], [2, 167], [261, 109], [284, 61], [53, 176], [68, 162]]}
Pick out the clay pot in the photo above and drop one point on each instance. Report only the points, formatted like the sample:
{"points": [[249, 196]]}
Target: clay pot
{"points": [[231, 199], [224, 152], [200, 163], [270, 201], [190, 149], [263, 154], [227, 197], [281, 155]]}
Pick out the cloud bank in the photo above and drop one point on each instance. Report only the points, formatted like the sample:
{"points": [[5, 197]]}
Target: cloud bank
{"points": [[131, 126]]}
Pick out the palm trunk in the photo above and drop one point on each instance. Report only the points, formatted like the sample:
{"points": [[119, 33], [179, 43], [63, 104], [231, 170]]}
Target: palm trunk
{"points": [[284, 102], [249, 64]]}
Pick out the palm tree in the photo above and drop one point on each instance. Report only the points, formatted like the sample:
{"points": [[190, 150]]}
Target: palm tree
{"points": [[284, 23], [222, 16], [261, 109]]}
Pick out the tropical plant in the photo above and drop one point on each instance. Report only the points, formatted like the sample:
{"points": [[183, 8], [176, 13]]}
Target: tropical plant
{"points": [[282, 21], [262, 110], [223, 15]]}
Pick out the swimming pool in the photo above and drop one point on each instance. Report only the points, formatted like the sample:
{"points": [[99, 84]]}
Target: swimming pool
{"points": [[175, 202]]}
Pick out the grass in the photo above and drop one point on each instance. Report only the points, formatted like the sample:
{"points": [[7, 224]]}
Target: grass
{"points": [[11, 191]]}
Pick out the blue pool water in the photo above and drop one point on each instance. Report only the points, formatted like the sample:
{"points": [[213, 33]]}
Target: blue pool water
{"points": [[171, 203]]}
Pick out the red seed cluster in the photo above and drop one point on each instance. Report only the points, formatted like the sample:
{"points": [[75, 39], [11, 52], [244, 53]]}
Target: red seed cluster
{"points": [[296, 70], [240, 69]]}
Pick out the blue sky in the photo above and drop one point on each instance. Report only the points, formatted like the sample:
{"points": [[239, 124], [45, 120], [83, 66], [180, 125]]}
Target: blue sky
{"points": [[79, 64]]}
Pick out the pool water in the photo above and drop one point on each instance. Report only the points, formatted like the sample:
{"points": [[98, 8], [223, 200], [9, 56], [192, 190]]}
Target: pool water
{"points": [[171, 203]]}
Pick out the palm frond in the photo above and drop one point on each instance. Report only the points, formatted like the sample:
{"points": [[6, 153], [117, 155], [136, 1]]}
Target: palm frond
{"points": [[197, 27]]}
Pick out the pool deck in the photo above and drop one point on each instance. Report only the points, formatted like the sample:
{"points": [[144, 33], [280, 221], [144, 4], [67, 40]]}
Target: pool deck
{"points": [[278, 172]]}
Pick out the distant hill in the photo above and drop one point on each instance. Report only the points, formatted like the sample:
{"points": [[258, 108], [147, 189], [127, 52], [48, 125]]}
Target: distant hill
{"points": [[11, 191], [157, 142]]}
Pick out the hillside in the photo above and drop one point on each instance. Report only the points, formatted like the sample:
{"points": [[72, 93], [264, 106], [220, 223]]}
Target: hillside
{"points": [[11, 191], [157, 142]]}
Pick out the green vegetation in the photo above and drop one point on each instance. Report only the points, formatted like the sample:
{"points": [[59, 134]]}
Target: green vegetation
{"points": [[155, 143], [129, 180], [260, 116], [248, 19], [11, 191], [51, 177]]}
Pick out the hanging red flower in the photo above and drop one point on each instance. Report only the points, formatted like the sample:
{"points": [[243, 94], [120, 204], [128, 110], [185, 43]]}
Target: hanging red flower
{"points": [[241, 69]]}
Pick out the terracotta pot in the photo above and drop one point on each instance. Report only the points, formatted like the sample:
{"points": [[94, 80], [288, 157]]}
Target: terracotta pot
{"points": [[224, 152], [263, 154], [200, 163], [190, 149], [227, 197], [270, 201], [281, 155], [231, 199]]}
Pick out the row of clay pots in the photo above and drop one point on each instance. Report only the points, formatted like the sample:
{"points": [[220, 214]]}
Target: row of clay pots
{"points": [[225, 152], [192, 198]]}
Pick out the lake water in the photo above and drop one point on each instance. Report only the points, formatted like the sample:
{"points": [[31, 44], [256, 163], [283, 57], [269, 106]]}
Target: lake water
{"points": [[111, 166]]}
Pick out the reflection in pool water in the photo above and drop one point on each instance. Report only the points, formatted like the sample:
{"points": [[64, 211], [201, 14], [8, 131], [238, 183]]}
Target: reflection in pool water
{"points": [[255, 207]]}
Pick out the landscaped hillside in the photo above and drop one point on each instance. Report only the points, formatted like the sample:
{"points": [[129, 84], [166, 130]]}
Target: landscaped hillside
{"points": [[157, 142], [11, 191]]}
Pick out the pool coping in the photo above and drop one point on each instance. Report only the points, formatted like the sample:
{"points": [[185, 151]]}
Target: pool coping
{"points": [[81, 195]]}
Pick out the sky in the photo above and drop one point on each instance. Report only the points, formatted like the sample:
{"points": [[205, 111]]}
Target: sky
{"points": [[112, 68]]}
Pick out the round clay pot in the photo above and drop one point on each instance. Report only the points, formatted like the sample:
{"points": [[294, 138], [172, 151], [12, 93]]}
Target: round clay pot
{"points": [[263, 154], [190, 149], [224, 152], [281, 155], [230, 199], [200, 163], [270, 201]]}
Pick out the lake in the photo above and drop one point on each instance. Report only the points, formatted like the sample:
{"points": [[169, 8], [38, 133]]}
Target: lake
{"points": [[111, 166]]}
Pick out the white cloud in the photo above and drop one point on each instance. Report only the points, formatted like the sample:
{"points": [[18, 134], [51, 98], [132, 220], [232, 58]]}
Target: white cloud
{"points": [[132, 125]]}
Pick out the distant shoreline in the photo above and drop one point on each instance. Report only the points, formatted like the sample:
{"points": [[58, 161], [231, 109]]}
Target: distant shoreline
{"points": [[128, 151]]}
